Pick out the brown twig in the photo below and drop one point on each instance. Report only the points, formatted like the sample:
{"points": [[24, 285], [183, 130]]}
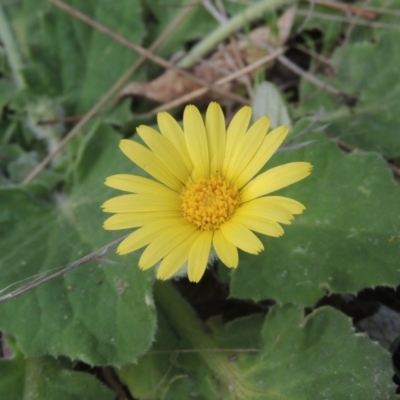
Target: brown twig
{"points": [[302, 73], [63, 120], [308, 76], [323, 60], [348, 8]]}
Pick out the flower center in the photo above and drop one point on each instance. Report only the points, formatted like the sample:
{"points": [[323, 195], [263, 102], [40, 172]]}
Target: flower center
{"points": [[208, 203]]}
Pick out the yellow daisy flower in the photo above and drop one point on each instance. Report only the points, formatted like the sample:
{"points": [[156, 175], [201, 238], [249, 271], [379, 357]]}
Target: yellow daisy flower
{"points": [[206, 197]]}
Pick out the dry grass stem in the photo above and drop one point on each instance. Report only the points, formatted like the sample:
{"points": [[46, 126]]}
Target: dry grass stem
{"points": [[200, 92]]}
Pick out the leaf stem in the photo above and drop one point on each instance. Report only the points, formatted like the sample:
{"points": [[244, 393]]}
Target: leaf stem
{"points": [[186, 323], [226, 29], [13, 55]]}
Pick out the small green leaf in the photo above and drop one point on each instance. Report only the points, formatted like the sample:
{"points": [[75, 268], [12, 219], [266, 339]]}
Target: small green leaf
{"points": [[268, 101]]}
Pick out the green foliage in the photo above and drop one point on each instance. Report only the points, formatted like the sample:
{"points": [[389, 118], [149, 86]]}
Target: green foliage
{"points": [[45, 378], [347, 242], [102, 313], [110, 313], [367, 71], [282, 356], [268, 101]]}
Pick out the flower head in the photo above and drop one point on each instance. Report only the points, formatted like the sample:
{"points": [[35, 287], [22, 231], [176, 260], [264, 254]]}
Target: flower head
{"points": [[206, 196]]}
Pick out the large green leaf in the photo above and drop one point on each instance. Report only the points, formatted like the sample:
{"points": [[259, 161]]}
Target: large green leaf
{"points": [[347, 239], [320, 357], [101, 313], [282, 356], [368, 72]]}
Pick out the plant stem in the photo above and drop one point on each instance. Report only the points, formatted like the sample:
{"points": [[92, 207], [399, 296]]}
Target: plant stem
{"points": [[186, 323], [226, 29]]}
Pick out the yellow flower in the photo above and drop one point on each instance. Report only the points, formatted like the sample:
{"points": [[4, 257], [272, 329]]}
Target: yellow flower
{"points": [[206, 197]]}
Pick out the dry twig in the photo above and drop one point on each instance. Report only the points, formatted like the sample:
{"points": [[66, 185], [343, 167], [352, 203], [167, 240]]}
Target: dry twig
{"points": [[93, 256]]}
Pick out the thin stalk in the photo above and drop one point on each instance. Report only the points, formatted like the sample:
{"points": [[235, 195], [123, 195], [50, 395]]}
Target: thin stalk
{"points": [[186, 323]]}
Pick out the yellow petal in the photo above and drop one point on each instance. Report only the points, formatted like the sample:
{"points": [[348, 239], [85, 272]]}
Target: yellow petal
{"points": [[168, 239], [142, 202], [241, 237], [149, 162], [292, 205], [236, 130], [246, 148], [198, 256], [268, 147], [264, 208], [226, 251], [215, 128], [141, 237], [258, 224], [274, 179], [174, 260], [170, 128], [136, 184], [196, 141], [134, 220], [165, 151]]}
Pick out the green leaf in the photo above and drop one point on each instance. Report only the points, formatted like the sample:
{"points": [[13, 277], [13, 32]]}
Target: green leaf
{"points": [[123, 18], [101, 313], [387, 19], [69, 59], [7, 92], [368, 72], [320, 357], [347, 239], [151, 375], [282, 356], [268, 101], [44, 378]]}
